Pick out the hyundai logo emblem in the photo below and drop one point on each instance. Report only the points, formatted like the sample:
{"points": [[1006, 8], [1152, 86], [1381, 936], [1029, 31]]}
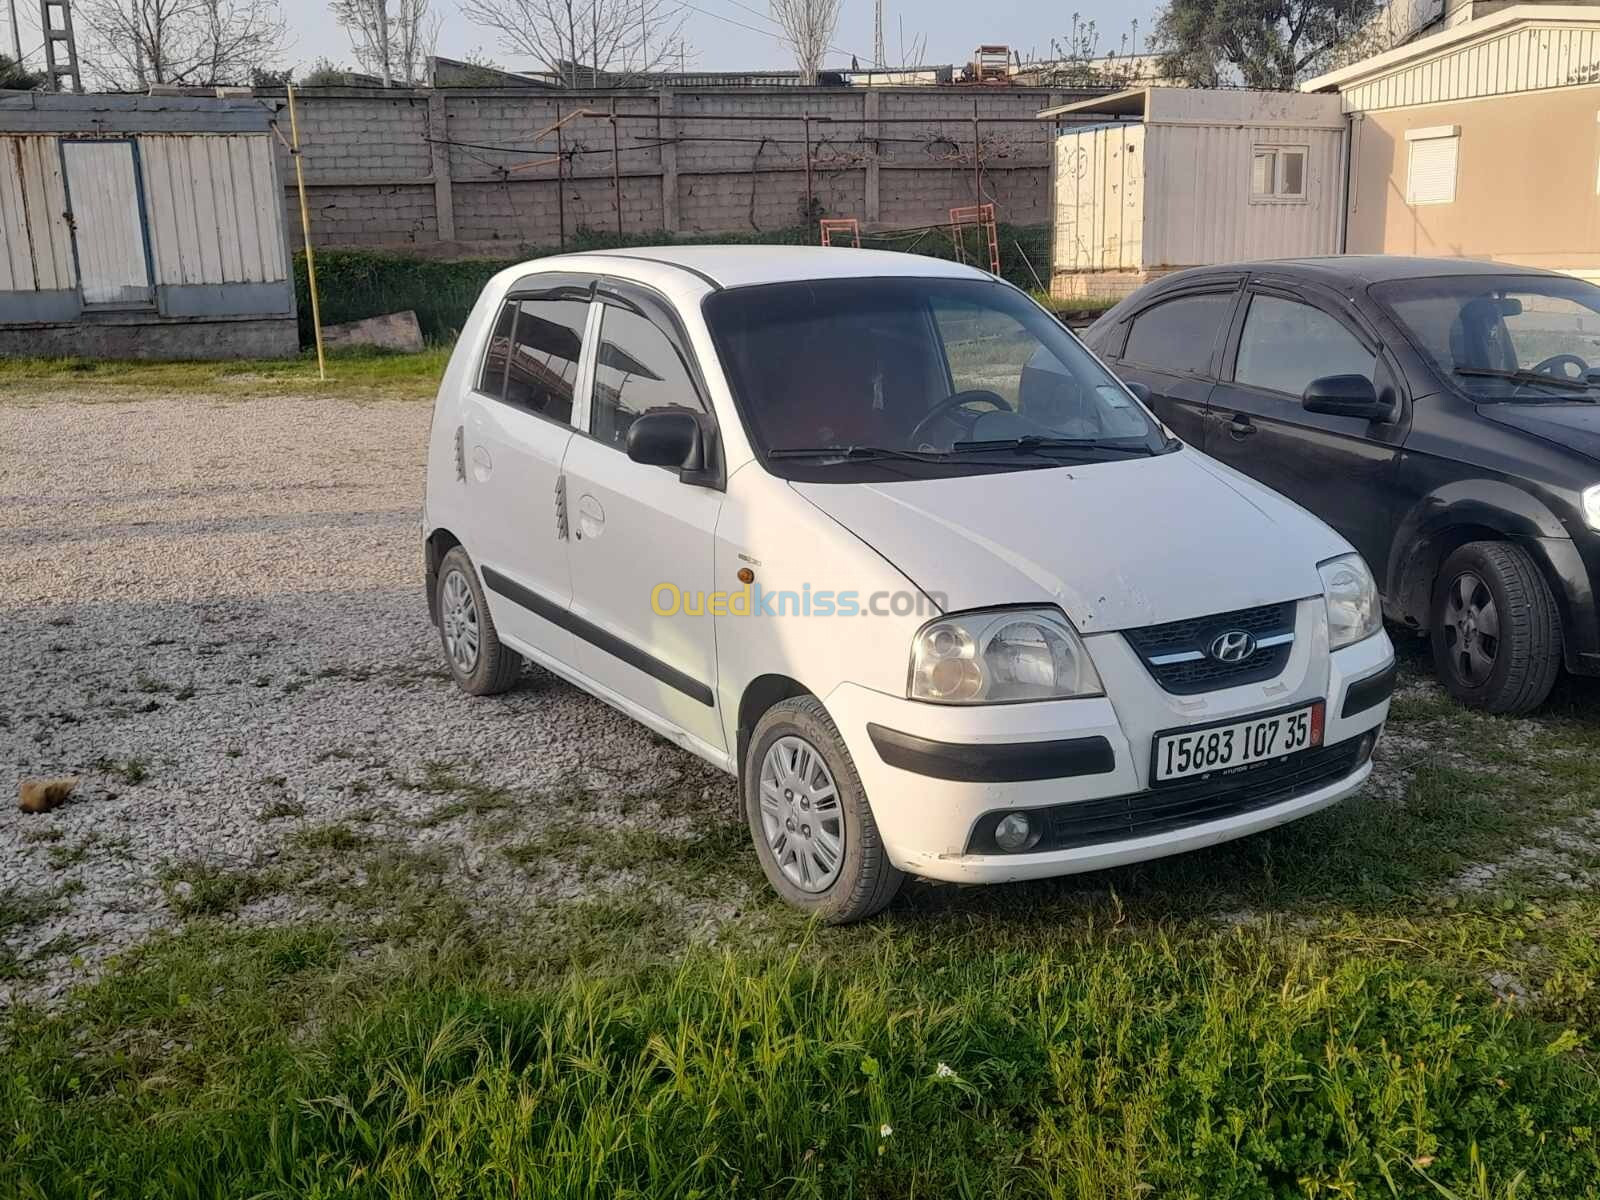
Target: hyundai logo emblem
{"points": [[1233, 647]]}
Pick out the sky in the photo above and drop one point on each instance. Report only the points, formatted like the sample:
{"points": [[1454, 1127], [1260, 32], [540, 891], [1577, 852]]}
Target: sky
{"points": [[736, 34]]}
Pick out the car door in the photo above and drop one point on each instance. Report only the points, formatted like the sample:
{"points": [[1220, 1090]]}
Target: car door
{"points": [[1171, 346], [1287, 334], [636, 528], [518, 424]]}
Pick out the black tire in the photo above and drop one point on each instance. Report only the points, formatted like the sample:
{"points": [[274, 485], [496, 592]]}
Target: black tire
{"points": [[866, 880], [1514, 670], [493, 668]]}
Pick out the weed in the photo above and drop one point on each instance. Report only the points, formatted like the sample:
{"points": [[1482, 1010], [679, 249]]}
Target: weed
{"points": [[337, 838], [472, 797], [280, 809], [198, 888], [62, 857], [131, 771]]}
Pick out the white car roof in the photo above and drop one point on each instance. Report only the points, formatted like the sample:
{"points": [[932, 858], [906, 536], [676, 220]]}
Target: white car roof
{"points": [[745, 266]]}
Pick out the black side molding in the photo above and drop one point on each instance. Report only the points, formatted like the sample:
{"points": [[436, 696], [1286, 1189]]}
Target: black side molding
{"points": [[1369, 692], [556, 614], [993, 762]]}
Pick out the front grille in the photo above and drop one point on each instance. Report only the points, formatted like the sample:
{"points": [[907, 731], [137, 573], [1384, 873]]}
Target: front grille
{"points": [[1189, 642], [1180, 805]]}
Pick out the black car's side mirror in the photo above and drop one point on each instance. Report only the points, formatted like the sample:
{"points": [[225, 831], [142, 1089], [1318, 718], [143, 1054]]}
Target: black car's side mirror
{"points": [[1346, 396], [667, 438], [1139, 390]]}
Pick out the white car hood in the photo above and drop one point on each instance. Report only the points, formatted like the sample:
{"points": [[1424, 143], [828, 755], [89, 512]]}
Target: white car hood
{"points": [[1117, 545]]}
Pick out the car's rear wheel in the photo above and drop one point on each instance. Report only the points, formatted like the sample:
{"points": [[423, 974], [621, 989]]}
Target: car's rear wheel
{"points": [[1496, 631], [480, 665], [809, 816]]}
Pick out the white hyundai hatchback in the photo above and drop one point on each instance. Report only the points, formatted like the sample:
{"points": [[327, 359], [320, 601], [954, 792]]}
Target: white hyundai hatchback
{"points": [[875, 534]]}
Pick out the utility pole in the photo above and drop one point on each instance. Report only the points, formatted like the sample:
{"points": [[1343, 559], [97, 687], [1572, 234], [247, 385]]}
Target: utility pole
{"points": [[382, 12], [16, 36], [63, 64], [877, 45]]}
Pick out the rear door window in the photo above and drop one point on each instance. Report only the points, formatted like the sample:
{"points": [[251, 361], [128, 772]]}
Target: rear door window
{"points": [[532, 357], [1180, 334], [1285, 345]]}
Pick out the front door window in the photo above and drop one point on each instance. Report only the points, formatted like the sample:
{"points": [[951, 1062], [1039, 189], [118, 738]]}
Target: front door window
{"points": [[1285, 345]]}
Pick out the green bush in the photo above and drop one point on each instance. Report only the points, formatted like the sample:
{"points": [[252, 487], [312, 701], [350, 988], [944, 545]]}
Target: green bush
{"points": [[353, 284]]}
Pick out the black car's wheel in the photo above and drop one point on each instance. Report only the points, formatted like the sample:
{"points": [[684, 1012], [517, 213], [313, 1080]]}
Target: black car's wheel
{"points": [[1496, 631]]}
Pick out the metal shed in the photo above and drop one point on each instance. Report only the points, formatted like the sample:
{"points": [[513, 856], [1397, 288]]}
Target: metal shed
{"points": [[142, 227], [1168, 178]]}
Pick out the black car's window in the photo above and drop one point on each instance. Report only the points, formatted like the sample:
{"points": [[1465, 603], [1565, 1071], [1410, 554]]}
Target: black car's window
{"points": [[915, 367], [636, 369], [1180, 334], [1479, 329], [1286, 344], [532, 358]]}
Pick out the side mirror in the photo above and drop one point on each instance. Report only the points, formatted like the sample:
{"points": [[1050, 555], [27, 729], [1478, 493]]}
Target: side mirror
{"points": [[665, 438], [1139, 390], [1346, 396]]}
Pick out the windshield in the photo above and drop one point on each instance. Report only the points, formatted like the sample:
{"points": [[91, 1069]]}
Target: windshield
{"points": [[1505, 337], [916, 376]]}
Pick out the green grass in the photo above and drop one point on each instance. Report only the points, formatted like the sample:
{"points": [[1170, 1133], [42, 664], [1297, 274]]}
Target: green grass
{"points": [[1090, 1059], [202, 889], [1320, 1011], [354, 374]]}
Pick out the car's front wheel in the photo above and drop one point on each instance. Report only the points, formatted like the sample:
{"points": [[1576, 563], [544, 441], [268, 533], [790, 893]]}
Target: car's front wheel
{"points": [[809, 816], [1496, 631]]}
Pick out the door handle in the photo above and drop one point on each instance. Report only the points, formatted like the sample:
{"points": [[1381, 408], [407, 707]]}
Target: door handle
{"points": [[1240, 427]]}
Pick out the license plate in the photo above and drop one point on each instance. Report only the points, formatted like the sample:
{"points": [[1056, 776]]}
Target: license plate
{"points": [[1207, 749]]}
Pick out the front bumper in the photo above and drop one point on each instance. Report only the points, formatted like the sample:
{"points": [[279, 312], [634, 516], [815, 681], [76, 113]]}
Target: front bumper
{"points": [[933, 772]]}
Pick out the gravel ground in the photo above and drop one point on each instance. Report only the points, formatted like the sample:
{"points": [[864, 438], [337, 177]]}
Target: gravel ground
{"points": [[212, 614]]}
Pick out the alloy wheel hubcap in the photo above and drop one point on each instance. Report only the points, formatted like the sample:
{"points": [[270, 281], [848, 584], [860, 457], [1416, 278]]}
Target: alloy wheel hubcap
{"points": [[460, 618], [800, 814], [1471, 629]]}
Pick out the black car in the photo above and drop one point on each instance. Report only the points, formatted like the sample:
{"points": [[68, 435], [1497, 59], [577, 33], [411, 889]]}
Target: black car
{"points": [[1444, 415]]}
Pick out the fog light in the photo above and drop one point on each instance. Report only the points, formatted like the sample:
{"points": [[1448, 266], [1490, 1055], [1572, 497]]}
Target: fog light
{"points": [[1369, 742], [1014, 833]]}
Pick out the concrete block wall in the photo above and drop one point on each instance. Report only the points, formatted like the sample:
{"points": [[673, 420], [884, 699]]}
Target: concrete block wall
{"points": [[405, 168]]}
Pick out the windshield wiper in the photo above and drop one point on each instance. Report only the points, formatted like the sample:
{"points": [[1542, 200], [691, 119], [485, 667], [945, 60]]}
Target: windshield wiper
{"points": [[1528, 377], [1029, 442], [856, 453]]}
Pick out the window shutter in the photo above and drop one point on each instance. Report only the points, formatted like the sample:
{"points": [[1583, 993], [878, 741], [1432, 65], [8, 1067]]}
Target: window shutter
{"points": [[1431, 177]]}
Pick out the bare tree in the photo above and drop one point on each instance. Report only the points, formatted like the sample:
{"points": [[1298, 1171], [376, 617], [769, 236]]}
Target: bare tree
{"points": [[915, 52], [808, 27], [578, 41], [130, 44], [389, 38]]}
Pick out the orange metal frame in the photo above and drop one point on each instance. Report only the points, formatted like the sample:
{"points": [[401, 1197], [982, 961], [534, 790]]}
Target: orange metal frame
{"points": [[981, 215], [833, 225]]}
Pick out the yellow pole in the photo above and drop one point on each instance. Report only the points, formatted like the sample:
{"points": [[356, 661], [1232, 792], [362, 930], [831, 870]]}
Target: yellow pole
{"points": [[305, 228]]}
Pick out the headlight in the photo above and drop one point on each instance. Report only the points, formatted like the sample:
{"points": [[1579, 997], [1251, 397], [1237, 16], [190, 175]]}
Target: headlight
{"points": [[998, 656], [1591, 506], [1352, 598]]}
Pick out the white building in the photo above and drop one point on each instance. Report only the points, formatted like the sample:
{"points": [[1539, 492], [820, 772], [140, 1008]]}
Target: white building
{"points": [[1168, 178], [142, 227]]}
